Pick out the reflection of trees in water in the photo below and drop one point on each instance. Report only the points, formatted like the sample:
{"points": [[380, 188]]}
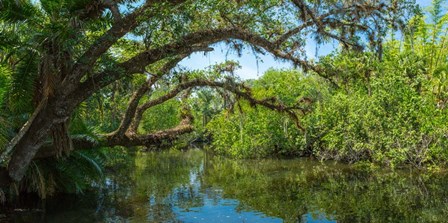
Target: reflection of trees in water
{"points": [[158, 185], [187, 197], [144, 190], [289, 189], [161, 180], [160, 213]]}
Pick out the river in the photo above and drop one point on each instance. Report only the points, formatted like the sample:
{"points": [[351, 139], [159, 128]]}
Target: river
{"points": [[194, 186]]}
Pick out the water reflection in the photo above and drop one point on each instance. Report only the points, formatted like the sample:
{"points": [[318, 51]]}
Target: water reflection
{"points": [[195, 187]]}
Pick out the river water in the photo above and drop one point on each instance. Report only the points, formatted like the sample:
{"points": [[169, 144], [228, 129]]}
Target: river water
{"points": [[193, 186]]}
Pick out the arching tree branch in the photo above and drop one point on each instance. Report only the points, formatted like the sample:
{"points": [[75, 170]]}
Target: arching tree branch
{"points": [[240, 90], [120, 28]]}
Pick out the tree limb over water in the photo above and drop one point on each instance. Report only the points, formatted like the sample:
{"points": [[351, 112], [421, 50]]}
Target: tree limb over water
{"points": [[78, 60]]}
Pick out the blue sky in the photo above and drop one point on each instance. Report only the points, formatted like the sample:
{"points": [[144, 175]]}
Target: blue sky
{"points": [[248, 61]]}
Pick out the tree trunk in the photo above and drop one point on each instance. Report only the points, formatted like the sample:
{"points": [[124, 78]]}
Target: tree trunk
{"points": [[61, 139], [5, 180], [27, 146]]}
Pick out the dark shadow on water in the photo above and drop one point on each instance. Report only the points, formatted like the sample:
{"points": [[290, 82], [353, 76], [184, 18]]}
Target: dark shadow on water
{"points": [[193, 186]]}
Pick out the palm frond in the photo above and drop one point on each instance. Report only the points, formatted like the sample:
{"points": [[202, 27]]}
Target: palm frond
{"points": [[22, 87], [79, 171], [93, 163], [4, 133], [17, 10], [4, 123], [5, 74], [8, 38], [73, 174]]}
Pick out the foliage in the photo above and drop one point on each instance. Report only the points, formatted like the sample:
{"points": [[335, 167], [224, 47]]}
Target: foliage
{"points": [[389, 110], [258, 132], [72, 69], [163, 116], [74, 174]]}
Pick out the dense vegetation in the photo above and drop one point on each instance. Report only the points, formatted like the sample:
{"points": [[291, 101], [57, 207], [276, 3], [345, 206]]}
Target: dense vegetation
{"points": [[80, 77], [389, 110]]}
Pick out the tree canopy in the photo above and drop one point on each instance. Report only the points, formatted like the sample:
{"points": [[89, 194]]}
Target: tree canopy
{"points": [[58, 58]]}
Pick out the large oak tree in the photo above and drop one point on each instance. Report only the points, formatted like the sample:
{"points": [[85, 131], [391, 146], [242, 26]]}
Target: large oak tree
{"points": [[68, 51]]}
